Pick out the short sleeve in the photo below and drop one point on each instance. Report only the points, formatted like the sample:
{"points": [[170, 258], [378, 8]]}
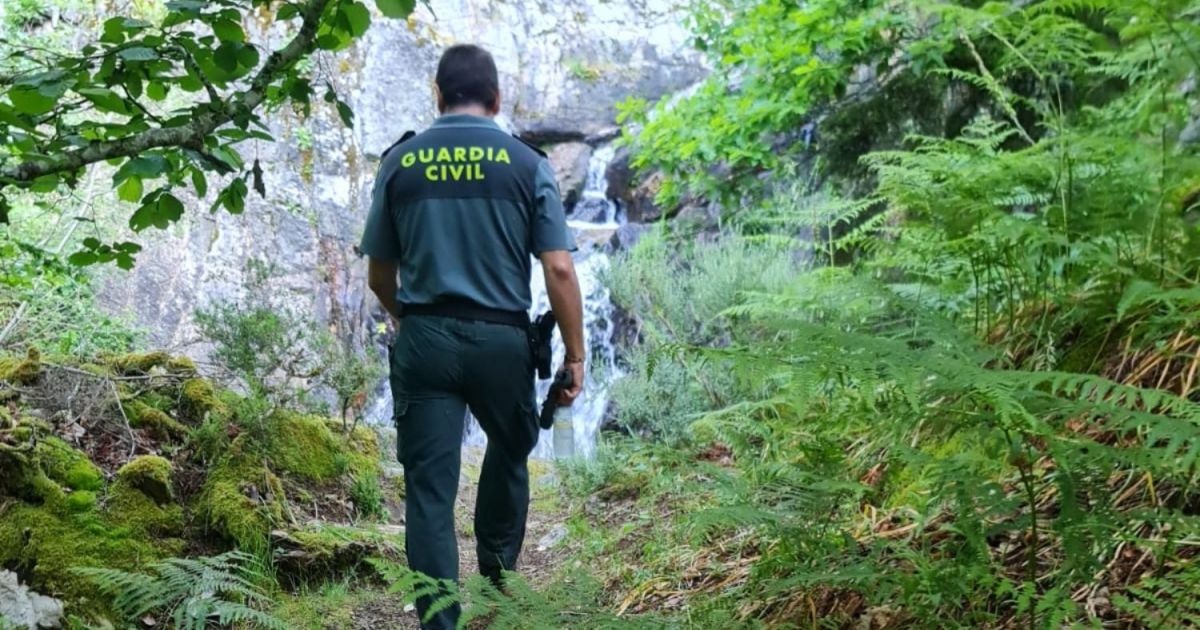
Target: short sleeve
{"points": [[549, 220], [380, 239]]}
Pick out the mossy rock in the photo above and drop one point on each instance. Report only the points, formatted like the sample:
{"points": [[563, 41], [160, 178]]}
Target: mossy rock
{"points": [[45, 545], [67, 466], [150, 475], [160, 425], [181, 365], [142, 497], [138, 362], [242, 500], [312, 448], [330, 550], [24, 371], [198, 398]]}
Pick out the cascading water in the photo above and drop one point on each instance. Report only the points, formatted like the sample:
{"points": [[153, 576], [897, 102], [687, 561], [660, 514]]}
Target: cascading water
{"points": [[593, 221]]}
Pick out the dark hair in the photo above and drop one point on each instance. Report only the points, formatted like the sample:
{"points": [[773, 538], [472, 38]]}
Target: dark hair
{"points": [[467, 75]]}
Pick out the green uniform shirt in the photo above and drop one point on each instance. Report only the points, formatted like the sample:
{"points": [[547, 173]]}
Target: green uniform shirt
{"points": [[462, 208]]}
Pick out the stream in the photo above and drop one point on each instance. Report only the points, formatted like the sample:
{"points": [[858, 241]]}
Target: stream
{"points": [[593, 221]]}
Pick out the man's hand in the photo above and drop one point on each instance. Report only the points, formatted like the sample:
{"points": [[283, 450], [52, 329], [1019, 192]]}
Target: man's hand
{"points": [[562, 287], [568, 396], [381, 278]]}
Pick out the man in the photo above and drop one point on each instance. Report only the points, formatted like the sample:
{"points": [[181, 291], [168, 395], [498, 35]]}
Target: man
{"points": [[458, 213]]}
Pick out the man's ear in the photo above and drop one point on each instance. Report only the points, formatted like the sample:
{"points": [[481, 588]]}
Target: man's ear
{"points": [[496, 104], [437, 97]]}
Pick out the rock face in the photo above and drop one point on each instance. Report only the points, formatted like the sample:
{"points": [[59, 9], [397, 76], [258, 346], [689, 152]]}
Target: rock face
{"points": [[24, 608], [570, 162], [563, 67]]}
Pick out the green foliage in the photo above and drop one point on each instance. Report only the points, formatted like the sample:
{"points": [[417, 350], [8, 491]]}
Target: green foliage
{"points": [[50, 305], [986, 407], [558, 605], [167, 100], [193, 593], [367, 495]]}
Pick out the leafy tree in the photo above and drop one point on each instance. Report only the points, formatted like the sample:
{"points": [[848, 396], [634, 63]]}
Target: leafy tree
{"points": [[112, 102]]}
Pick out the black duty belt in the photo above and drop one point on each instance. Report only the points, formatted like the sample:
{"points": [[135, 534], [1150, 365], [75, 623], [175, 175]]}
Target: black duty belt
{"points": [[465, 310]]}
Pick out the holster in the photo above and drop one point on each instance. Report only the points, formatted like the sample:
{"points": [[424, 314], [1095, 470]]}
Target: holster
{"points": [[541, 334]]}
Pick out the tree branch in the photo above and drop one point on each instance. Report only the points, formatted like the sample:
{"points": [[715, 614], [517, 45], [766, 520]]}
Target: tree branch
{"points": [[191, 134]]}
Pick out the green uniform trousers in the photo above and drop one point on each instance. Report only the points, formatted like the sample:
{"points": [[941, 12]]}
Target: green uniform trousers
{"points": [[440, 367]]}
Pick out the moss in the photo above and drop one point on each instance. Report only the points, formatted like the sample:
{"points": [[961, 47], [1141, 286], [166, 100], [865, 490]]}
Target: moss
{"points": [[150, 474], [181, 365], [81, 501], [242, 500], [47, 545], [305, 446], [198, 398], [162, 426], [22, 371], [138, 363], [141, 497], [67, 466]]}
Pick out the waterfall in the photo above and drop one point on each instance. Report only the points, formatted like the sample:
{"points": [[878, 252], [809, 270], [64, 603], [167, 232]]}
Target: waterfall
{"points": [[593, 222]]}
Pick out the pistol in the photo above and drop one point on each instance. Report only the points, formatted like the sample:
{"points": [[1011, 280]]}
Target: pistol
{"points": [[562, 381]]}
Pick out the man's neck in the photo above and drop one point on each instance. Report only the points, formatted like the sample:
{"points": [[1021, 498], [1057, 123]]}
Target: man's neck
{"points": [[470, 110]]}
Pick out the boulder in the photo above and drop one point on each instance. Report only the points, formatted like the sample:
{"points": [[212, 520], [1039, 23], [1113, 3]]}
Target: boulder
{"points": [[570, 163], [23, 608], [627, 236], [635, 194], [150, 475]]}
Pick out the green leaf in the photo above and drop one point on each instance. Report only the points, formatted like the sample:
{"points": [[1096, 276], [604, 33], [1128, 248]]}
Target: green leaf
{"points": [[83, 259], [157, 212], [226, 56], [397, 9], [247, 57], [358, 18], [146, 166], [228, 31], [199, 182], [30, 100], [346, 114], [138, 53], [130, 190], [91, 243], [157, 90], [104, 99], [287, 12]]}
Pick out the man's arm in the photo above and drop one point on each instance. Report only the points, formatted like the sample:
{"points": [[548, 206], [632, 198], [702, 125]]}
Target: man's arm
{"points": [[562, 286], [381, 277]]}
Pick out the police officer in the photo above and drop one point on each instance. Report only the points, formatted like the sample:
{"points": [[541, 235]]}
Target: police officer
{"points": [[458, 212]]}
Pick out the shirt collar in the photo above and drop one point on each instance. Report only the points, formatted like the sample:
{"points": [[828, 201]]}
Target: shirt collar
{"points": [[465, 120]]}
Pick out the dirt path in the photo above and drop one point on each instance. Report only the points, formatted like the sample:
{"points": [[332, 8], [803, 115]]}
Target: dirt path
{"points": [[538, 562]]}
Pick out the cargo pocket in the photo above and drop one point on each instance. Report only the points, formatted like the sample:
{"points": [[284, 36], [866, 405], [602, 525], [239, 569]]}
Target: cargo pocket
{"points": [[527, 411], [399, 411]]}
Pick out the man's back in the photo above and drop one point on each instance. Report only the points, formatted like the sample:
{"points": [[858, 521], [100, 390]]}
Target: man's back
{"points": [[466, 206]]}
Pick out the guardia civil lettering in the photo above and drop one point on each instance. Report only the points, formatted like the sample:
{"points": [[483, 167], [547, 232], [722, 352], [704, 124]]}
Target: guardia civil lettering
{"points": [[454, 163]]}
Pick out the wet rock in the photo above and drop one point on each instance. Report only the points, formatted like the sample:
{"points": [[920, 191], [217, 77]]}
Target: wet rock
{"points": [[570, 163], [628, 235], [23, 608], [635, 194], [591, 211]]}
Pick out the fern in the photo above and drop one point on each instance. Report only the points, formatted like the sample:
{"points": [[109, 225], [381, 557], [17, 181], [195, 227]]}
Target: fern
{"points": [[193, 593]]}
